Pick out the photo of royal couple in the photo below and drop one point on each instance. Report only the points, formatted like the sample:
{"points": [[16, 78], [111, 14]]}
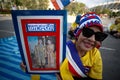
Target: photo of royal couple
{"points": [[42, 51]]}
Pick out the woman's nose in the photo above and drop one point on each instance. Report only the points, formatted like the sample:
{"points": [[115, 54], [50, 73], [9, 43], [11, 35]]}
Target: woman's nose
{"points": [[92, 38]]}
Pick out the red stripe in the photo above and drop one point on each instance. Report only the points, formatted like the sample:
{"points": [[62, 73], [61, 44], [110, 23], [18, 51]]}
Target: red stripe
{"points": [[78, 33], [72, 70], [55, 4]]}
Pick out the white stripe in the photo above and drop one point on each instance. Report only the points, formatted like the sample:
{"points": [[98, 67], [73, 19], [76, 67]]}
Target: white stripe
{"points": [[60, 4], [90, 15], [83, 17], [84, 23], [106, 48], [73, 63], [71, 0]]}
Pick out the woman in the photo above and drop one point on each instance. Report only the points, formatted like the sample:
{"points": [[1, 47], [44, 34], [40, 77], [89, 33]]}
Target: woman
{"points": [[83, 60], [51, 54]]}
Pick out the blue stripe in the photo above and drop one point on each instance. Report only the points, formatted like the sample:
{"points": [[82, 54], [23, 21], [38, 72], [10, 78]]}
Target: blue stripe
{"points": [[7, 50], [4, 40], [75, 56], [3, 78], [2, 73], [8, 53], [13, 44], [13, 75], [86, 18], [9, 45], [7, 63], [13, 60], [10, 62], [65, 2], [15, 68]]}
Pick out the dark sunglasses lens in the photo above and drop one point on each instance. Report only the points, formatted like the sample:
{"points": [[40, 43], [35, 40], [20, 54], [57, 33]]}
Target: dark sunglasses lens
{"points": [[87, 32], [99, 36]]}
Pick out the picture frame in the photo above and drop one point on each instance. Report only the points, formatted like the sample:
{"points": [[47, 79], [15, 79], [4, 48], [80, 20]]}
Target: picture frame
{"points": [[41, 36]]}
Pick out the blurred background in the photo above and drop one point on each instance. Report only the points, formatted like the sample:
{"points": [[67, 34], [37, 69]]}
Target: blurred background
{"points": [[109, 11]]}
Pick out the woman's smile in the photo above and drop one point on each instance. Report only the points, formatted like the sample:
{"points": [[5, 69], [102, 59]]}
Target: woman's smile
{"points": [[88, 44]]}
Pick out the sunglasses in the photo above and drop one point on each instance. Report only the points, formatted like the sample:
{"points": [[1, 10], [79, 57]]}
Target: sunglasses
{"points": [[99, 36]]}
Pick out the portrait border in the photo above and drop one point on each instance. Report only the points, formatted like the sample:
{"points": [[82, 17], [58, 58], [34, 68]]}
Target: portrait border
{"points": [[18, 15]]}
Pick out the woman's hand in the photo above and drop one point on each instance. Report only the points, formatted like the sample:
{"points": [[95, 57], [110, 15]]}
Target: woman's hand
{"points": [[23, 66]]}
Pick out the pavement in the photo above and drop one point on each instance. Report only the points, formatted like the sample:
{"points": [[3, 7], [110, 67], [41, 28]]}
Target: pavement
{"points": [[110, 49], [6, 27]]}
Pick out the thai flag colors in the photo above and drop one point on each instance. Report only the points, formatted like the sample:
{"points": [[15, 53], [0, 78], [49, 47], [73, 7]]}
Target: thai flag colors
{"points": [[60, 4]]}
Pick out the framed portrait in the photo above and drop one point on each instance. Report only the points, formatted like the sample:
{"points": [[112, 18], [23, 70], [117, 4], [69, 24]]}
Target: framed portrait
{"points": [[41, 36]]}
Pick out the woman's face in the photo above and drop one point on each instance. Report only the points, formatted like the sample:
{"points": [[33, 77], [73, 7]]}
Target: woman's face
{"points": [[84, 43]]}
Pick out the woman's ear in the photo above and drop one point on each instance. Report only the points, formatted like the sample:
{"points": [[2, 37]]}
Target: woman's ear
{"points": [[98, 44]]}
